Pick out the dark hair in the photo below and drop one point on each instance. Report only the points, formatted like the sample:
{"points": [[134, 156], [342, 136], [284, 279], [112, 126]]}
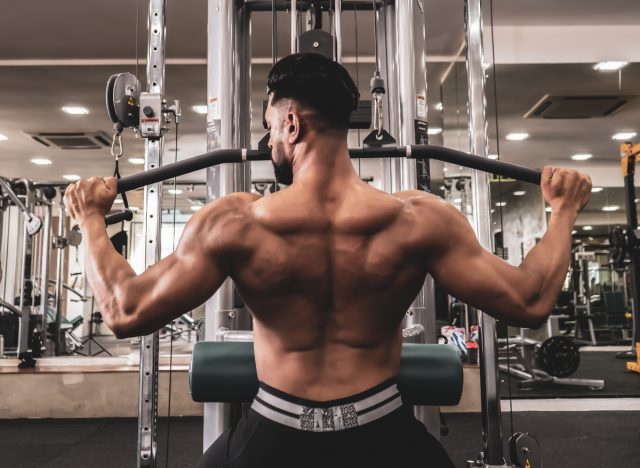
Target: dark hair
{"points": [[317, 83]]}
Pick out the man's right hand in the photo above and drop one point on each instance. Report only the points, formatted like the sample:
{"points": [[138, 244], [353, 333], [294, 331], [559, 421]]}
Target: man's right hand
{"points": [[565, 190]]}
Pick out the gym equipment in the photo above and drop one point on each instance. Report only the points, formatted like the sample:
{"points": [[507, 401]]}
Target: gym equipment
{"points": [[123, 100], [558, 356], [524, 450], [217, 157], [32, 222], [429, 375]]}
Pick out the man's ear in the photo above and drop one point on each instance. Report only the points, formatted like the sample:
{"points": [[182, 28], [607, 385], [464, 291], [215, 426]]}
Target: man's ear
{"points": [[294, 128]]}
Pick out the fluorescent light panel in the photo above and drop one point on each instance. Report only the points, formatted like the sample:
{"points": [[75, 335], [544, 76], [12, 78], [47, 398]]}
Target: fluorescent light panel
{"points": [[41, 161], [596, 189], [517, 136], [581, 156], [174, 191], [200, 109], [587, 228], [136, 161], [434, 131], [71, 177], [501, 203], [75, 110], [609, 65], [493, 156], [610, 208], [624, 135]]}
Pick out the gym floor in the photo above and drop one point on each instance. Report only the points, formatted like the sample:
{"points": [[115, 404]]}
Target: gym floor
{"points": [[569, 439]]}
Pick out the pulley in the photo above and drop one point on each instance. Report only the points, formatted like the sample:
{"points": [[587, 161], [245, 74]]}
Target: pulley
{"points": [[558, 356], [524, 450], [123, 100]]}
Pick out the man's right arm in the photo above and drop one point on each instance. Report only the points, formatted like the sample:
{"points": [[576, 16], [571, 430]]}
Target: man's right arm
{"points": [[522, 295]]}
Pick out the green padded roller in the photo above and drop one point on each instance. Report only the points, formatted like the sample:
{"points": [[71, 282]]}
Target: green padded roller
{"points": [[226, 372]]}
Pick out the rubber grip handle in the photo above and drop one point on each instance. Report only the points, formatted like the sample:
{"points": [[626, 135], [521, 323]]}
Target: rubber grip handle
{"points": [[115, 218]]}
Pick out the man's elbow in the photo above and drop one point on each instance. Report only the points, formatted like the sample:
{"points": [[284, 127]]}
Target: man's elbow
{"points": [[120, 319]]}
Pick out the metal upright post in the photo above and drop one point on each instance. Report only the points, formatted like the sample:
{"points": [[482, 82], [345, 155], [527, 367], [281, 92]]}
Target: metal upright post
{"points": [[25, 273], [493, 451], [44, 267], [228, 126], [62, 217], [149, 345], [401, 39]]}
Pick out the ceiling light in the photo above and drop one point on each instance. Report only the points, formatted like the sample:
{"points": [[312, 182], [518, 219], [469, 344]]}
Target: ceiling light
{"points": [[434, 131], [493, 156], [519, 193], [636, 200], [444, 169], [609, 65], [581, 156], [196, 207], [548, 209], [137, 161], [624, 135], [442, 187], [501, 203], [596, 189], [3, 137], [118, 201], [75, 110], [457, 200], [492, 211], [574, 232], [135, 209], [610, 208], [200, 109], [71, 177], [439, 106], [41, 161], [174, 191], [517, 136], [587, 228]]}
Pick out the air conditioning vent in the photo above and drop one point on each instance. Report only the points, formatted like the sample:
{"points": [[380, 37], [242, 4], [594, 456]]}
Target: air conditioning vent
{"points": [[72, 140], [576, 107]]}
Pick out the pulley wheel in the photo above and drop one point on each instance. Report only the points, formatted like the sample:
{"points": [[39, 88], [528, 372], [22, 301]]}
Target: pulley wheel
{"points": [[123, 99], [558, 356]]}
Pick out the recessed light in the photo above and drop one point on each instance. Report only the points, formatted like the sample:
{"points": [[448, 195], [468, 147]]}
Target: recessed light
{"points": [[493, 156], [41, 161], [174, 191], [196, 207], [134, 209], [517, 136], [3, 137], [596, 189], [587, 228], [444, 169], [457, 200], [439, 106], [548, 209], [492, 211], [636, 200], [581, 156], [501, 203], [136, 161], [434, 131], [118, 201], [624, 135], [75, 110], [519, 193], [442, 187], [574, 232], [610, 208], [609, 65], [200, 109], [71, 177]]}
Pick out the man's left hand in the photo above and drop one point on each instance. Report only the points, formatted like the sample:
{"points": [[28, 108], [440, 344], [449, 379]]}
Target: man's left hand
{"points": [[90, 198]]}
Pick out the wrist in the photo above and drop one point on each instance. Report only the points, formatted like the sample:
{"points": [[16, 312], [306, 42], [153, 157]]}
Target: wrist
{"points": [[91, 220]]}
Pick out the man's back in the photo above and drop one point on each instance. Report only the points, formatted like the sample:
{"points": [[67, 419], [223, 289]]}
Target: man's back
{"points": [[328, 275]]}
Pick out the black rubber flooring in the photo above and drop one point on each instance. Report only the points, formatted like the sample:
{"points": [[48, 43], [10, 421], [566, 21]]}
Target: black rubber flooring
{"points": [[580, 440], [618, 382]]}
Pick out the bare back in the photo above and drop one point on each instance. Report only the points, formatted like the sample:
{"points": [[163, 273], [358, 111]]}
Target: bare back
{"points": [[328, 280]]}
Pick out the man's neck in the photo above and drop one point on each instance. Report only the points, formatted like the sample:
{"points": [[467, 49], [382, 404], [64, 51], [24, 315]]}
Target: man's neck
{"points": [[321, 163]]}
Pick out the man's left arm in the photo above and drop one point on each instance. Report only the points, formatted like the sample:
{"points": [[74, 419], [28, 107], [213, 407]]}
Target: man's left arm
{"points": [[134, 305]]}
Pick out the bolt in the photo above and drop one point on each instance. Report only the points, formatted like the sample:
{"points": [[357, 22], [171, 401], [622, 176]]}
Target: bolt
{"points": [[315, 44]]}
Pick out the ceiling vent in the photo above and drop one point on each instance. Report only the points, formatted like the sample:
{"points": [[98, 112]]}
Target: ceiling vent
{"points": [[576, 107], [72, 140]]}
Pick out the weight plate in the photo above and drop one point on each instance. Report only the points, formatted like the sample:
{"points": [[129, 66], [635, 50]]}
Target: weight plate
{"points": [[558, 356], [524, 450]]}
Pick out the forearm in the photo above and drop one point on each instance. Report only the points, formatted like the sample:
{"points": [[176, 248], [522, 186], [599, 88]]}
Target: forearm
{"points": [[546, 265], [107, 271]]}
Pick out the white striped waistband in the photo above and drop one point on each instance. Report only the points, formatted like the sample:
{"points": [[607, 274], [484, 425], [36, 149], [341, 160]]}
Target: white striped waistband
{"points": [[318, 417]]}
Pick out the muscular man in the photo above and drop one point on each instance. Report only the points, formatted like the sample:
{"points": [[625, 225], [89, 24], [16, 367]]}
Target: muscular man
{"points": [[328, 268]]}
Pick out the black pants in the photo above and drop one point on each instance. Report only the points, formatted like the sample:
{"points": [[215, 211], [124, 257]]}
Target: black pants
{"points": [[397, 440]]}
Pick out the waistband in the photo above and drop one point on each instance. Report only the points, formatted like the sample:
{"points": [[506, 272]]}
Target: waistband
{"points": [[334, 415]]}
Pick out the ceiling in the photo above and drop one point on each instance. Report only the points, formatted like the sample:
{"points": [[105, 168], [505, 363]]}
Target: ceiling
{"points": [[62, 52]]}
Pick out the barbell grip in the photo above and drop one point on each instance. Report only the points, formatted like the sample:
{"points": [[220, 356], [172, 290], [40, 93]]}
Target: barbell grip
{"points": [[115, 218]]}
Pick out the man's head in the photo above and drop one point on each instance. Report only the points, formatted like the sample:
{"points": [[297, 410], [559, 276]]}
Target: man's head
{"points": [[308, 93]]}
